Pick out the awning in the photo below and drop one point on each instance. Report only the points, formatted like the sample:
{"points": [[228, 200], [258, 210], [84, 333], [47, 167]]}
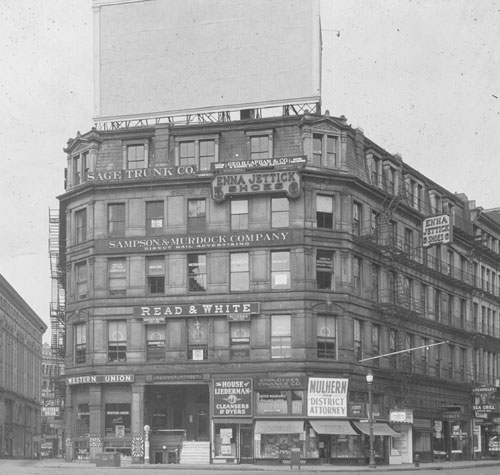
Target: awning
{"points": [[279, 427], [232, 421], [333, 427], [379, 428]]}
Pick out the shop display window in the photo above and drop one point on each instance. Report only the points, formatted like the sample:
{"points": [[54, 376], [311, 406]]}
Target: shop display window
{"points": [[125, 449], [117, 419], [278, 446], [346, 446], [225, 440]]}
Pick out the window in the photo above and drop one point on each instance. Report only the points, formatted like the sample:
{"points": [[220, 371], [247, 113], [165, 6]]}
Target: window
{"points": [[117, 341], [437, 305], [80, 225], [117, 419], [136, 156], [116, 219], [390, 180], [117, 276], [156, 275], [376, 343], [375, 278], [281, 336], [186, 154], [197, 272], [451, 363], [240, 271], [80, 168], [197, 339], [81, 280], [356, 274], [154, 218], [408, 241], [324, 211], [83, 420], [155, 342], [80, 343], [199, 151], [393, 348], [239, 214], [358, 349], [280, 213], [374, 169], [240, 339], [324, 270], [325, 151], [356, 218], [280, 269], [207, 154], [196, 215], [259, 147], [327, 337], [278, 401]]}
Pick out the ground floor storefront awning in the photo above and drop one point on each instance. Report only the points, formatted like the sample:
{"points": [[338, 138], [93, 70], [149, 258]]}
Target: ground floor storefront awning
{"points": [[379, 428], [332, 427], [279, 427]]}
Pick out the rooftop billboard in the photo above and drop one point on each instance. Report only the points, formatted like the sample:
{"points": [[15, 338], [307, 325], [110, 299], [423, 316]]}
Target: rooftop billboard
{"points": [[160, 58]]}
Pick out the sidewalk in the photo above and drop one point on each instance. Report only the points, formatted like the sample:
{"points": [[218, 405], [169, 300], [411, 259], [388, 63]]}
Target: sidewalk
{"points": [[305, 469]]}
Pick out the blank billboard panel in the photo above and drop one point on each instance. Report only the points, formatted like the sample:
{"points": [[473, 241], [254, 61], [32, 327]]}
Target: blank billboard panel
{"points": [[156, 58]]}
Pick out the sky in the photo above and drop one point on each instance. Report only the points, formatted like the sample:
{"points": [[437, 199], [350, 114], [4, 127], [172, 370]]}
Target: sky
{"points": [[420, 77]]}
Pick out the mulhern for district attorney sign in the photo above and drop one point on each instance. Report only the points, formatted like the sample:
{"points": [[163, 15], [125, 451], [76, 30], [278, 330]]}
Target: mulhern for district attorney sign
{"points": [[327, 397], [437, 230]]}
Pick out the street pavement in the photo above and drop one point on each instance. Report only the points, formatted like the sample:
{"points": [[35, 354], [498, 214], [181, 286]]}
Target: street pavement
{"points": [[60, 467]]}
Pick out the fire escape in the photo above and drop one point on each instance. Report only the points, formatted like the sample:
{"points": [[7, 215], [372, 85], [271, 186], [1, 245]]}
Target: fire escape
{"points": [[57, 303], [395, 303]]}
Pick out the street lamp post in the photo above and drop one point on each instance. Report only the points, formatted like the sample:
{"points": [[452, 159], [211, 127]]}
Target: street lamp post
{"points": [[369, 381]]}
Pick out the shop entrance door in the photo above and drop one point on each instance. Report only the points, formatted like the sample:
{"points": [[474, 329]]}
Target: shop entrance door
{"points": [[324, 447], [246, 444]]}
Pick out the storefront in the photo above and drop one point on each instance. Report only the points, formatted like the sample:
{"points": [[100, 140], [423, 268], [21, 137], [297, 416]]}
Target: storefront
{"points": [[274, 440], [383, 439], [233, 441], [401, 450], [338, 442]]}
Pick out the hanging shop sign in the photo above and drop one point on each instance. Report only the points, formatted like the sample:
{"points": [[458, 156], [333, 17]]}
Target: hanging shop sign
{"points": [[190, 242], [233, 397], [141, 174], [261, 163], [101, 378], [196, 310], [484, 399], [403, 416], [437, 230], [273, 181], [327, 397]]}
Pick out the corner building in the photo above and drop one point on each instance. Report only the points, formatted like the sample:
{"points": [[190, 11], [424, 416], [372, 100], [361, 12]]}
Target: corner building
{"points": [[224, 280]]}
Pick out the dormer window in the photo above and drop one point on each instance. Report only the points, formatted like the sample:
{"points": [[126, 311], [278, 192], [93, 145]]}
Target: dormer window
{"points": [[80, 164], [324, 150]]}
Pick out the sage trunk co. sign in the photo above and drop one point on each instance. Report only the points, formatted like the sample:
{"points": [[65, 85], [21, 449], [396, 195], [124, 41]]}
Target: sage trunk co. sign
{"points": [[275, 181], [233, 397]]}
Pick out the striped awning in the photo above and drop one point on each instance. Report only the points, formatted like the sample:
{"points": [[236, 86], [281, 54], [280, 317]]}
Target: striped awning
{"points": [[333, 427], [279, 427], [233, 420], [379, 428]]}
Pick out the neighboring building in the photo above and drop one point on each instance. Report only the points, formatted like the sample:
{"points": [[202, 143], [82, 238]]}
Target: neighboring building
{"points": [[225, 282], [21, 331], [52, 402]]}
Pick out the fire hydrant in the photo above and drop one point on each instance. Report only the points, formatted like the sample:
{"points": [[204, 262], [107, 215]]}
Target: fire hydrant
{"points": [[417, 460]]}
